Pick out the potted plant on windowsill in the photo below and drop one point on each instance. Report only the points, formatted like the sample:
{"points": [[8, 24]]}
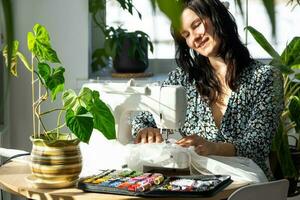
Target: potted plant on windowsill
{"points": [[289, 64], [56, 158], [128, 50]]}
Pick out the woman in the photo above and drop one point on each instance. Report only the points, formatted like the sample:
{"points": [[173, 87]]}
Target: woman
{"points": [[234, 102]]}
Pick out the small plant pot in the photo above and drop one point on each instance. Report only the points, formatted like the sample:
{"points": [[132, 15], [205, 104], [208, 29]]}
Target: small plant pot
{"points": [[124, 63], [55, 164]]}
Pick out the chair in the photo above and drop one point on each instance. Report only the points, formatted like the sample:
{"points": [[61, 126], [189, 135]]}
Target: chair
{"points": [[275, 190]]}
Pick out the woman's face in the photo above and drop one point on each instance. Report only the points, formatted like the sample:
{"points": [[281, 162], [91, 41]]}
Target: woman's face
{"points": [[199, 33]]}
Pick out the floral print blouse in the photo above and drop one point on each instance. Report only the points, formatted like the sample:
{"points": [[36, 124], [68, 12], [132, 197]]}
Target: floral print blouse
{"points": [[251, 118]]}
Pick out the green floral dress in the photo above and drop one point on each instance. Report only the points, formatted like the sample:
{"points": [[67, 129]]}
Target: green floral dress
{"points": [[251, 118]]}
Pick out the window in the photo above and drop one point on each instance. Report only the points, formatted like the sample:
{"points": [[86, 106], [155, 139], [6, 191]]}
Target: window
{"points": [[158, 26]]}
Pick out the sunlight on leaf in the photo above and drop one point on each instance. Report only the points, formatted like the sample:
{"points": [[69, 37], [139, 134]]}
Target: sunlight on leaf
{"points": [[39, 44], [69, 98]]}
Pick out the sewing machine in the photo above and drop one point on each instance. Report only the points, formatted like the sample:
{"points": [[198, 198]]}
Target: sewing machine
{"points": [[167, 104]]}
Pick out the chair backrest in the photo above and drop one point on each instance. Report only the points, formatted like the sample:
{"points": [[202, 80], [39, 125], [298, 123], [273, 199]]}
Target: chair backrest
{"points": [[275, 190]]}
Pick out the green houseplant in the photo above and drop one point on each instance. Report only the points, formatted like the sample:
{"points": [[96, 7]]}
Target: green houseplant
{"points": [[289, 64], [83, 113], [128, 50]]}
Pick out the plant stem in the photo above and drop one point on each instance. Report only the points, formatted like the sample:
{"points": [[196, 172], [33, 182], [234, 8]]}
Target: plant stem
{"points": [[37, 111], [286, 88], [284, 115], [58, 121], [290, 126], [32, 95], [50, 111], [59, 127]]}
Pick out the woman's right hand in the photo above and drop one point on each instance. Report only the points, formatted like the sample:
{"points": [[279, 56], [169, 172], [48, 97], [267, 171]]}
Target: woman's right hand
{"points": [[148, 135]]}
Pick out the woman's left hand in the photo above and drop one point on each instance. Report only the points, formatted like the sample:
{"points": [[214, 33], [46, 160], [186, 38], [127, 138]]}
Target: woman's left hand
{"points": [[202, 146]]}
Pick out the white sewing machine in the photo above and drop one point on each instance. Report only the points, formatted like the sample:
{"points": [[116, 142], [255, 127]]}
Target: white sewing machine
{"points": [[167, 104]]}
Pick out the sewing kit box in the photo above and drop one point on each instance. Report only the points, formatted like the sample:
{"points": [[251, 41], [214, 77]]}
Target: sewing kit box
{"points": [[133, 183]]}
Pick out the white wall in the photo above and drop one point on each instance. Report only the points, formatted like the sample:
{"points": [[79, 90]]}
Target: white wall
{"points": [[67, 23]]}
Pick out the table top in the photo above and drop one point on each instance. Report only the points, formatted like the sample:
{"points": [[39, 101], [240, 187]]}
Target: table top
{"points": [[13, 174]]}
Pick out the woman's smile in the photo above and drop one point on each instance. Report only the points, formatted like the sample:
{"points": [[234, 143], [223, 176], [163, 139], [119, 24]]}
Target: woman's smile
{"points": [[203, 43], [199, 33]]}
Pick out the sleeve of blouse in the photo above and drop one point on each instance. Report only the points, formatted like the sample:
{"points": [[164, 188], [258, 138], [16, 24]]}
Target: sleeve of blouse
{"points": [[145, 119], [255, 141]]}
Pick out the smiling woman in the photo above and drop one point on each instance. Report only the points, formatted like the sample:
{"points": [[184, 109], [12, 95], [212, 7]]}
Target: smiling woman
{"points": [[234, 101]]}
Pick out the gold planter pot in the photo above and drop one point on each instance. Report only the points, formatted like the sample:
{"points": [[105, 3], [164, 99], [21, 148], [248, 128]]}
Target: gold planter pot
{"points": [[55, 164]]}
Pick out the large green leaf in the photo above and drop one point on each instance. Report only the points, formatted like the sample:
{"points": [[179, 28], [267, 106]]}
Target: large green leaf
{"points": [[80, 123], [56, 81], [53, 78], [262, 41], [39, 44], [294, 108], [104, 120], [291, 54], [44, 71]]}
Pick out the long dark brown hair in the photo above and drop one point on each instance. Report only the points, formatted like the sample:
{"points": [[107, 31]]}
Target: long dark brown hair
{"points": [[234, 53]]}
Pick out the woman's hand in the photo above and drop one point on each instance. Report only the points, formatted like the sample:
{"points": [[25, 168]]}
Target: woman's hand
{"points": [[202, 146], [148, 135]]}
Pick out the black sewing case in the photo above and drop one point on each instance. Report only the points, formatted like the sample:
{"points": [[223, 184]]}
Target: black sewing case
{"points": [[132, 183]]}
